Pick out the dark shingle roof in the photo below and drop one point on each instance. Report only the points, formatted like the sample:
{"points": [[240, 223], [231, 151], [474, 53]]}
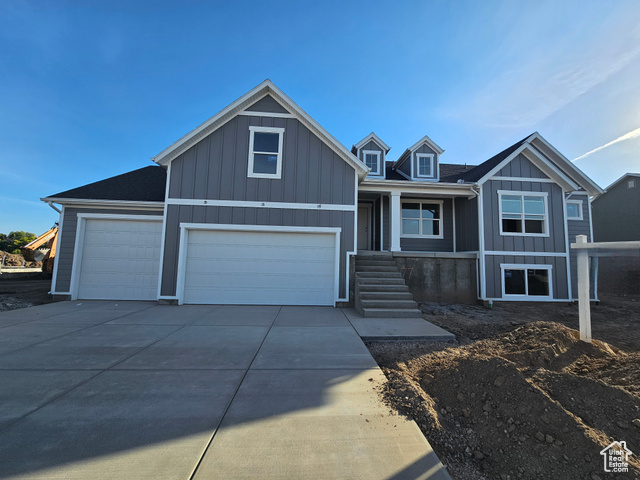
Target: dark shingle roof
{"points": [[485, 167], [143, 185]]}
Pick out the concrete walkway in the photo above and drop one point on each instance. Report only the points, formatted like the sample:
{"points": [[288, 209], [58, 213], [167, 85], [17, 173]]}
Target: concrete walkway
{"points": [[106, 390]]}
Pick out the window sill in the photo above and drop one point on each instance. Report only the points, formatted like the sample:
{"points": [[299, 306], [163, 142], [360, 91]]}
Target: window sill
{"points": [[426, 237], [515, 234]]}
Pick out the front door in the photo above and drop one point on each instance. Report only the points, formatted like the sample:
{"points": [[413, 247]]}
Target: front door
{"points": [[364, 227]]}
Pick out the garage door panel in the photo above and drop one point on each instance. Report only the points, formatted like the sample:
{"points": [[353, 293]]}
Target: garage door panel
{"points": [[120, 259], [262, 268]]}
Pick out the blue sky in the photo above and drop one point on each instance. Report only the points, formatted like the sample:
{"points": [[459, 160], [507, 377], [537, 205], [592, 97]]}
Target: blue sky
{"points": [[93, 89]]}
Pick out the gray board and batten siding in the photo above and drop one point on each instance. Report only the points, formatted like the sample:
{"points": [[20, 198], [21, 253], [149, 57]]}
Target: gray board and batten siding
{"points": [[267, 104], [579, 227], [467, 224], [216, 169], [558, 272], [67, 241], [521, 167], [494, 241]]}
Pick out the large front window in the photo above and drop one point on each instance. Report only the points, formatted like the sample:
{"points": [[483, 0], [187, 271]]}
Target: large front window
{"points": [[526, 281], [523, 213], [422, 219], [265, 152]]}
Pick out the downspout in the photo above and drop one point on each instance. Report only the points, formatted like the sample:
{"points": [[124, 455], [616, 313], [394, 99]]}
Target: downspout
{"points": [[481, 275], [55, 208]]}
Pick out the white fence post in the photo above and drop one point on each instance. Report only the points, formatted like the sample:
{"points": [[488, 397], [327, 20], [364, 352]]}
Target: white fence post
{"points": [[584, 307]]}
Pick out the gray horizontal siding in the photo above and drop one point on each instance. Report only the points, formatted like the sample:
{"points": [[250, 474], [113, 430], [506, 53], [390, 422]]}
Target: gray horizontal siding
{"points": [[250, 216], [521, 167], [467, 239], [558, 273], [555, 242], [216, 167], [67, 241], [444, 244]]}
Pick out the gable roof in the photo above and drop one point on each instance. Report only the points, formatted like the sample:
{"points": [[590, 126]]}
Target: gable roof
{"points": [[424, 140], [223, 116], [485, 167], [143, 185], [371, 137], [621, 179]]}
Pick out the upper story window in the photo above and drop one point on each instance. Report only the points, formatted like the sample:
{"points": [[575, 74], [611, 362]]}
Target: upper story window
{"points": [[265, 152], [574, 209], [631, 184], [422, 219], [372, 160], [425, 165], [523, 213]]}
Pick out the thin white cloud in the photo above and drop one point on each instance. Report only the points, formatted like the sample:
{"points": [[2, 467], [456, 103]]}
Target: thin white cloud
{"points": [[627, 136]]}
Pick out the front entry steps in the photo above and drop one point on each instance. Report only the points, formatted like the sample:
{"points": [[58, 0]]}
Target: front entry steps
{"points": [[380, 291]]}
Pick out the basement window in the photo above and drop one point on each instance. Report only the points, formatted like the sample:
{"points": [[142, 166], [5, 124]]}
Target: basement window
{"points": [[526, 281], [265, 152]]}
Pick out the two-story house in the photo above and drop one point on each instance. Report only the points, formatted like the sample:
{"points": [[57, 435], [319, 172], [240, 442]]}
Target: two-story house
{"points": [[261, 205]]}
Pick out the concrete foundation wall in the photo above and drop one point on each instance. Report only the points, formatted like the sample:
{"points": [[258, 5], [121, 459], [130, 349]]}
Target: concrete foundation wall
{"points": [[442, 278]]}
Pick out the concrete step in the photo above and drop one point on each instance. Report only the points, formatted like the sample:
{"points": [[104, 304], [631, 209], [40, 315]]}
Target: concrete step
{"points": [[390, 304], [391, 313], [371, 253], [375, 261], [395, 274], [379, 281], [366, 288], [385, 294], [376, 268]]}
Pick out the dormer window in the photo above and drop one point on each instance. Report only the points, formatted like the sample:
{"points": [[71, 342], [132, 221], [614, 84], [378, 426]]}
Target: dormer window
{"points": [[265, 152], [425, 165], [372, 160]]}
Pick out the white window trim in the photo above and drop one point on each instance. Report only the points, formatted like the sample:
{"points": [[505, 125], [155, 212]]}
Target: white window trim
{"points": [[525, 266], [580, 206], [421, 201], [280, 132], [431, 158], [545, 195], [378, 154]]}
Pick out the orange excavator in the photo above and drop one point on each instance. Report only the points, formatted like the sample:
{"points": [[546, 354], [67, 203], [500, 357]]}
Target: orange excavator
{"points": [[43, 249]]}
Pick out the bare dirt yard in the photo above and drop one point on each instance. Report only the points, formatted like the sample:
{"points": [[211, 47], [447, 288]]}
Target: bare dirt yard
{"points": [[24, 292], [519, 396]]}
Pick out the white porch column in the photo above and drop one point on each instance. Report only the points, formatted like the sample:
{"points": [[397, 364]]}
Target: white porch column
{"points": [[395, 221]]}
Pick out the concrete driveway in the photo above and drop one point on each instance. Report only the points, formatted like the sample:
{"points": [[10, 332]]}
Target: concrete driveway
{"points": [[93, 390]]}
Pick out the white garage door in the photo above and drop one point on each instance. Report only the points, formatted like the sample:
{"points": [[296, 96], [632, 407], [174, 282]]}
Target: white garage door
{"points": [[260, 268], [120, 260]]}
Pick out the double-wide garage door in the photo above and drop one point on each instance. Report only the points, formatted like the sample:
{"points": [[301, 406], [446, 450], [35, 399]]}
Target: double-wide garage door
{"points": [[260, 268], [120, 259]]}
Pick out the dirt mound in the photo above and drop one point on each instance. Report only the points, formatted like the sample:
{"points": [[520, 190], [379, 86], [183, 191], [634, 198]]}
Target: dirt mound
{"points": [[14, 260], [523, 404]]}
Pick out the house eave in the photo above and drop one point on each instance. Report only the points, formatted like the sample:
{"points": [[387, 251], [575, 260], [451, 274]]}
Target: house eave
{"points": [[92, 202], [265, 88], [426, 188]]}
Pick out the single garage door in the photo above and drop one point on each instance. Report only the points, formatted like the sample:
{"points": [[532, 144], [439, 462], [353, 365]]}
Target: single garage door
{"points": [[120, 260], [260, 268]]}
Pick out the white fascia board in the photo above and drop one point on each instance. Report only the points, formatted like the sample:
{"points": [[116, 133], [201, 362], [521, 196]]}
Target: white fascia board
{"points": [[539, 161], [104, 203], [376, 139], [583, 179], [422, 188], [235, 108]]}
